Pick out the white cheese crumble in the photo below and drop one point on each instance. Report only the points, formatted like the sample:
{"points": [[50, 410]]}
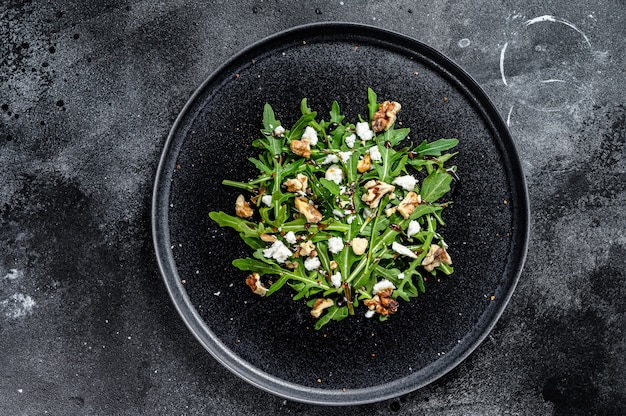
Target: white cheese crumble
{"points": [[279, 131], [400, 275], [363, 131], [345, 156], [406, 182], [332, 158], [382, 285], [350, 219], [312, 263], [278, 251], [350, 141], [375, 154], [400, 249], [267, 200], [336, 279], [335, 174], [413, 228], [335, 244], [290, 237], [338, 213], [370, 313], [309, 135]]}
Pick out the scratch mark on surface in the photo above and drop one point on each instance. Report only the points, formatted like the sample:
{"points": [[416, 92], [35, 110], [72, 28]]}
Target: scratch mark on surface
{"points": [[502, 63], [548, 81], [17, 306], [548, 18], [508, 118], [13, 274]]}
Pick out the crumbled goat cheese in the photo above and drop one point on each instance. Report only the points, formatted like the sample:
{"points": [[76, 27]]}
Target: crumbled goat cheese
{"points": [[335, 244], [350, 141], [335, 174], [406, 182], [312, 263], [338, 213], [363, 131], [413, 228], [400, 249], [375, 154], [336, 279], [278, 251], [370, 313], [279, 131], [332, 158], [290, 237], [309, 135], [382, 285], [267, 200], [350, 219], [345, 156], [400, 275]]}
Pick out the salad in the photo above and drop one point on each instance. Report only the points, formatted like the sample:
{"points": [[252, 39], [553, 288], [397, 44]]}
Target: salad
{"points": [[344, 214]]}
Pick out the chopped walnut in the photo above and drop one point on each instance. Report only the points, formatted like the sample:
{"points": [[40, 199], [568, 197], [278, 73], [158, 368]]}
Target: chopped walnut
{"points": [[291, 265], [364, 164], [382, 303], [268, 238], [390, 211], [298, 184], [306, 248], [301, 148], [308, 210], [436, 255], [242, 208], [333, 265], [359, 245], [375, 191], [320, 305], [254, 283], [408, 204], [385, 116]]}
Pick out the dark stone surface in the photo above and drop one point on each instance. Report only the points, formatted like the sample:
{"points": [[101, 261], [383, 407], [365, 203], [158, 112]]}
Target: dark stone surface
{"points": [[88, 95]]}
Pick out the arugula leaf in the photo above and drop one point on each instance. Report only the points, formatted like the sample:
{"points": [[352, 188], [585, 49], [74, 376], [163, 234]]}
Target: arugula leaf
{"points": [[298, 128], [249, 229], [335, 313], [436, 185], [269, 118], [372, 104], [330, 185], [435, 148]]}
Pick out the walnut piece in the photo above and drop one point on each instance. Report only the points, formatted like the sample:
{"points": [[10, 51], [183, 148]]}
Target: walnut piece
{"points": [[382, 303], [306, 248], [359, 245], [408, 204], [301, 148], [254, 283], [320, 305], [309, 211], [385, 116], [268, 238], [375, 191], [436, 255], [300, 183], [242, 208], [364, 164]]}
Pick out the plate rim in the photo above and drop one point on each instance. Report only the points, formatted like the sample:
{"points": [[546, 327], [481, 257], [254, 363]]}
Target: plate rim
{"points": [[319, 396]]}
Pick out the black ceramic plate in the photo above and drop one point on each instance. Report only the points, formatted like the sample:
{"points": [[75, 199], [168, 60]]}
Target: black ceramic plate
{"points": [[270, 342]]}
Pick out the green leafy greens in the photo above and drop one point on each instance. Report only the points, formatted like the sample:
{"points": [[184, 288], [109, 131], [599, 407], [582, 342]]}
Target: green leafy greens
{"points": [[341, 213]]}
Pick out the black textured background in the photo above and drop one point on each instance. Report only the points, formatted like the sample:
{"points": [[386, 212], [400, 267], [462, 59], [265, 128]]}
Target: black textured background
{"points": [[88, 95]]}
